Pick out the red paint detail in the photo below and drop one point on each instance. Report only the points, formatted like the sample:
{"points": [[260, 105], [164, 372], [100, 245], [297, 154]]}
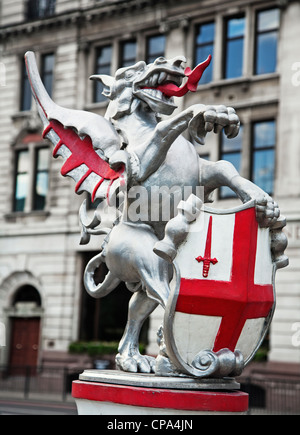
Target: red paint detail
{"points": [[236, 300], [207, 260], [194, 76], [236, 401], [96, 188], [82, 153]]}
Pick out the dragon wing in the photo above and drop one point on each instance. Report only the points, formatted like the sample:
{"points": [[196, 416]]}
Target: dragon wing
{"points": [[85, 140]]}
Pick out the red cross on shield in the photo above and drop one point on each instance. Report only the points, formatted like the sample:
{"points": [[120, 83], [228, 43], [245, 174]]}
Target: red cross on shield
{"points": [[231, 304]]}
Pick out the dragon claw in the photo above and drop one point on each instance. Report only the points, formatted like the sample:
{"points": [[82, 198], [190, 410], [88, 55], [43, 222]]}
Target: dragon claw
{"points": [[135, 364]]}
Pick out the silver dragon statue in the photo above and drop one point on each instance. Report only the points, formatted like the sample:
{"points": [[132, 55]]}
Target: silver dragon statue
{"points": [[137, 148]]}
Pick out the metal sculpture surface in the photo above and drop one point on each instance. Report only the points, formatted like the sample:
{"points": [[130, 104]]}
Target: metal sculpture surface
{"points": [[199, 264]]}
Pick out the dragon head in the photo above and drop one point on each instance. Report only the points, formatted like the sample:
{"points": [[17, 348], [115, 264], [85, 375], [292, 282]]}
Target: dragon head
{"points": [[154, 84]]}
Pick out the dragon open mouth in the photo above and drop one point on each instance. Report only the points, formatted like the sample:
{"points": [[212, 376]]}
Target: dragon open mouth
{"points": [[161, 84], [152, 87]]}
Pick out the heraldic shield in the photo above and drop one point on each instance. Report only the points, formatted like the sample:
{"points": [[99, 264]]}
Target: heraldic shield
{"points": [[221, 306]]}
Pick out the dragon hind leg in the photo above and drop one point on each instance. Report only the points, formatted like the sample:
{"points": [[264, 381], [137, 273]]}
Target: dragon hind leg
{"points": [[129, 358]]}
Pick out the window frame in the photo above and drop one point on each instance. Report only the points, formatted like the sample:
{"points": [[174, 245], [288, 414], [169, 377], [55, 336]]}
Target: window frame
{"points": [[33, 10], [226, 39], [24, 83], [43, 69], [97, 49], [121, 52], [256, 35], [222, 156], [260, 149], [196, 46], [30, 198], [17, 173], [148, 56]]}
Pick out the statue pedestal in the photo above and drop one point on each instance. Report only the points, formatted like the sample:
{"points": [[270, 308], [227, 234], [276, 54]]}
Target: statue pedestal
{"points": [[110, 392]]}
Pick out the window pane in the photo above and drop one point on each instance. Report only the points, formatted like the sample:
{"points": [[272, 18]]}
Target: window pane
{"points": [[206, 33], [205, 47], [41, 187], [22, 161], [235, 159], [21, 180], [103, 66], [231, 151], [268, 20], [234, 47], [264, 134], [128, 54], [40, 8], [156, 47], [236, 28], [263, 164], [43, 159], [48, 61], [263, 169], [104, 56], [201, 55], [26, 96], [266, 56], [47, 72], [21, 192], [234, 144], [41, 179], [234, 58], [267, 41]]}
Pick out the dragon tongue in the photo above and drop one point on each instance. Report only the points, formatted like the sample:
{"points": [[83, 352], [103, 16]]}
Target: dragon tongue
{"points": [[194, 76]]}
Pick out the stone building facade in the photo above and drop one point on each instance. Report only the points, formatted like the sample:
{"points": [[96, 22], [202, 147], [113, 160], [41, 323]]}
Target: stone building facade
{"points": [[255, 69]]}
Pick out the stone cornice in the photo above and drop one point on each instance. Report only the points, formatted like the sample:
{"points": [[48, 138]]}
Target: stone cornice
{"points": [[108, 9], [79, 16]]}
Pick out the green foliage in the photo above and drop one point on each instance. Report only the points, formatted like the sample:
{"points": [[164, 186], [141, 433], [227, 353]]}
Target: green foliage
{"points": [[93, 348], [261, 355]]}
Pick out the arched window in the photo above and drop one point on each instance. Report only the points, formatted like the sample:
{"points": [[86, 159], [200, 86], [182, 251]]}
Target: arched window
{"points": [[27, 293]]}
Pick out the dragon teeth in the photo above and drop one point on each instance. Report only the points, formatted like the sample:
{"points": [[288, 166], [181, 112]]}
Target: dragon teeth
{"points": [[162, 77], [156, 94], [153, 92]]}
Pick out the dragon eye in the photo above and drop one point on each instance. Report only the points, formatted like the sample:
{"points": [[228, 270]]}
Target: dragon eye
{"points": [[129, 74]]}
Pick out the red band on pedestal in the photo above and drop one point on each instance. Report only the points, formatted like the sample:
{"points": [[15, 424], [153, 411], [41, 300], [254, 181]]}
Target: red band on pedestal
{"points": [[235, 401]]}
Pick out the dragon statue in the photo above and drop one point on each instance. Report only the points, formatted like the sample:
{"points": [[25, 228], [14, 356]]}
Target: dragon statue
{"points": [[136, 146]]}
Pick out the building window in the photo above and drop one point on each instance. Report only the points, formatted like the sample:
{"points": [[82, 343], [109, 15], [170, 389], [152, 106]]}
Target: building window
{"points": [[22, 179], [267, 30], [205, 36], [31, 179], [263, 154], [128, 53], [47, 71], [234, 48], [230, 150], [26, 97], [103, 66], [41, 178], [155, 47], [40, 9]]}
